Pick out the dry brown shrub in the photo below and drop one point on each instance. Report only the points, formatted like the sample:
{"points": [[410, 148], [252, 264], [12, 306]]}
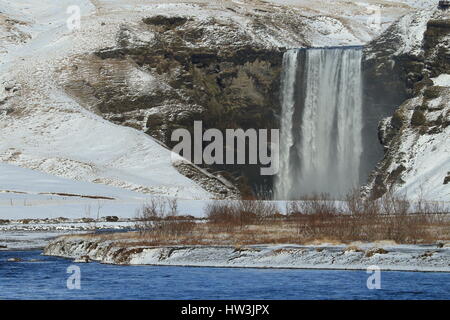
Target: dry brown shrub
{"points": [[228, 215], [159, 217]]}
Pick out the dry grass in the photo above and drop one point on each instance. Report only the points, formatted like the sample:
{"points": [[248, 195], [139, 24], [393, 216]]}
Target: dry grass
{"points": [[317, 220], [160, 218], [361, 219], [275, 232], [230, 215]]}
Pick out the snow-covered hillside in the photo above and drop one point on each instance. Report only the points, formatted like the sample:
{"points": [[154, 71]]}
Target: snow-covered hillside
{"points": [[413, 56], [29, 194], [29, 182], [44, 128]]}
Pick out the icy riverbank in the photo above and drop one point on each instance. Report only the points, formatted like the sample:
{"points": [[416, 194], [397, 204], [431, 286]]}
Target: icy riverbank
{"points": [[424, 258]]}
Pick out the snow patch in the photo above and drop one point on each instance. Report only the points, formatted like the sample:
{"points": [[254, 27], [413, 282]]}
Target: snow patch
{"points": [[442, 80]]}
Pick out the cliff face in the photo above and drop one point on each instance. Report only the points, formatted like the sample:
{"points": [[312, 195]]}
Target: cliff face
{"points": [[176, 78], [216, 63], [409, 66]]}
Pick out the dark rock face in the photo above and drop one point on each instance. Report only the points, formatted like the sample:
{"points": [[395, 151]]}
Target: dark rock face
{"points": [[418, 119], [227, 89], [447, 178], [216, 184], [166, 22], [401, 76], [176, 78], [436, 45], [388, 81]]}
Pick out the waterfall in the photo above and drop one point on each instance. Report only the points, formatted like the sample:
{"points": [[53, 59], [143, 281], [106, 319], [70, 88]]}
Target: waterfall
{"points": [[321, 122]]}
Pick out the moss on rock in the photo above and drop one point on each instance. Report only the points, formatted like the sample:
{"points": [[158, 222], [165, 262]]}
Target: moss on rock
{"points": [[418, 118], [398, 119]]}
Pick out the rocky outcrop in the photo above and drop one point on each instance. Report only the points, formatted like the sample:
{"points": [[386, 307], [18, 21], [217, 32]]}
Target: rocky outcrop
{"points": [[166, 73], [409, 66], [216, 184]]}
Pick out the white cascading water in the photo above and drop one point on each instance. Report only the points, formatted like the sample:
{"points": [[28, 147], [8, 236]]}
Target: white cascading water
{"points": [[320, 141]]}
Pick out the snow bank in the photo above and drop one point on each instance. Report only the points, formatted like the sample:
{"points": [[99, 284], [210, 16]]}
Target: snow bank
{"points": [[398, 257], [443, 80]]}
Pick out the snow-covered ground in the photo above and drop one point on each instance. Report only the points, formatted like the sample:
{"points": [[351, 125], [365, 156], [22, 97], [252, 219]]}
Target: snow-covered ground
{"points": [[430, 166], [341, 22], [17, 183], [29, 194], [43, 128], [386, 256], [36, 207]]}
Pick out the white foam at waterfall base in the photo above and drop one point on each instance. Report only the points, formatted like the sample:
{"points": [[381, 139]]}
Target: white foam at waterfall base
{"points": [[321, 152]]}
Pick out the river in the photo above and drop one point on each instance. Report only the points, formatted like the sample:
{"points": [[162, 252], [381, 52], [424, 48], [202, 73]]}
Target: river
{"points": [[41, 277]]}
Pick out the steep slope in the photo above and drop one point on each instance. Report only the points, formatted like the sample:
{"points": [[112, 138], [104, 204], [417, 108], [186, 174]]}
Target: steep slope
{"points": [[44, 128], [411, 61]]}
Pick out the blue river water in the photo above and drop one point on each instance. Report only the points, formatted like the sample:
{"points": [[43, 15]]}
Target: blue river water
{"points": [[41, 277]]}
